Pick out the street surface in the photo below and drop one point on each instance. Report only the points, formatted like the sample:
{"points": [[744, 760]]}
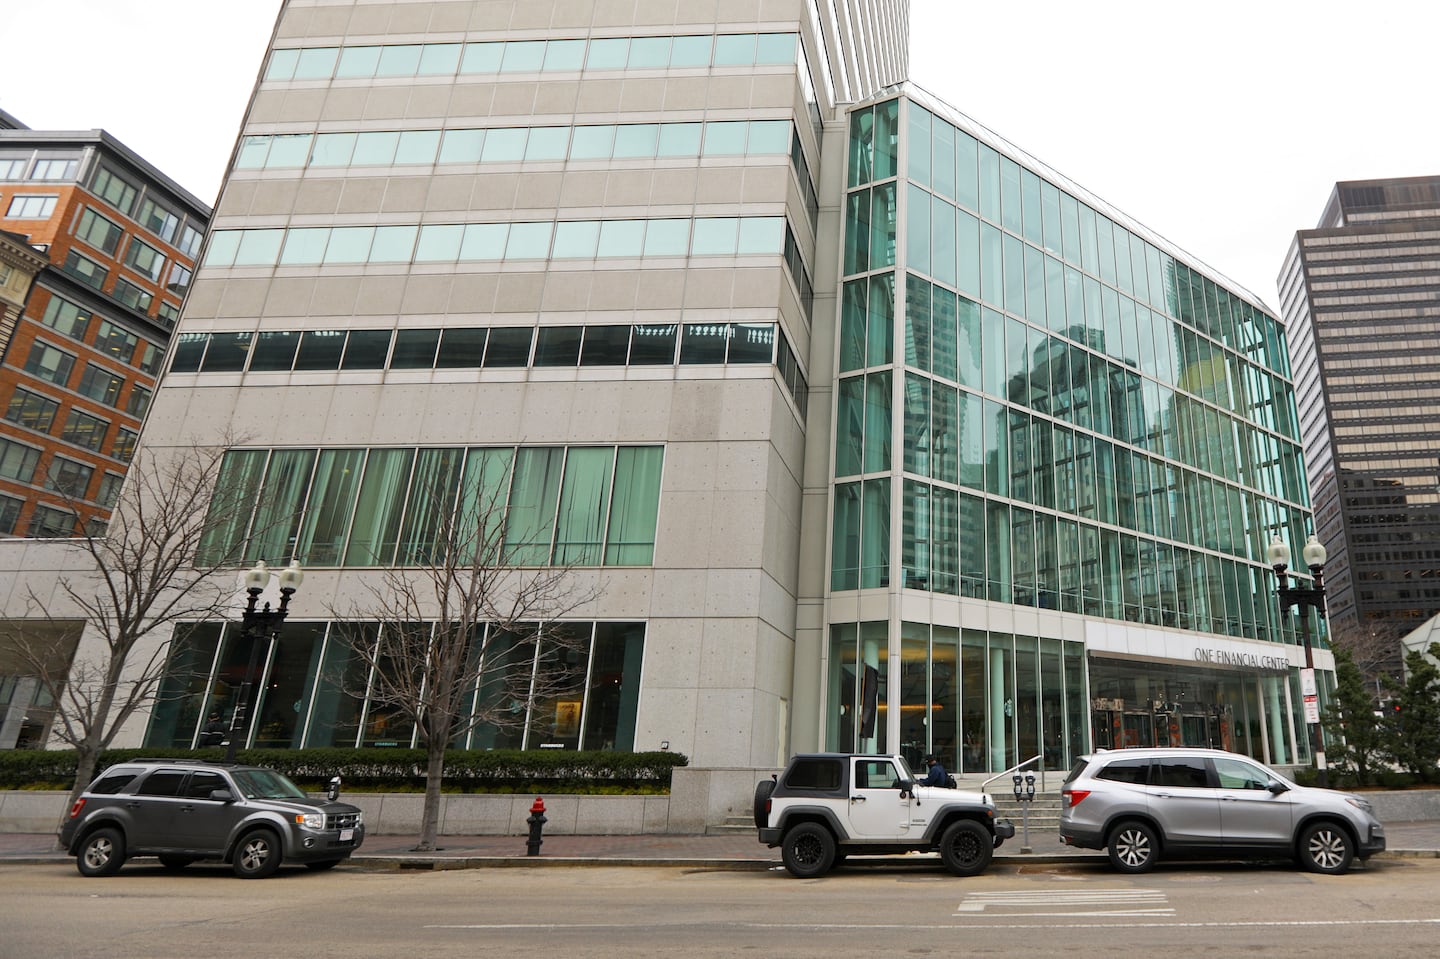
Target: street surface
{"points": [[1387, 908]]}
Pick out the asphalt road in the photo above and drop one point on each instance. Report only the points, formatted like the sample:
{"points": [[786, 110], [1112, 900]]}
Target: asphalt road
{"points": [[1387, 908]]}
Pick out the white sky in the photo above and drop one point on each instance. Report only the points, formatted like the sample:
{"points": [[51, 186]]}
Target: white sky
{"points": [[1222, 125]]}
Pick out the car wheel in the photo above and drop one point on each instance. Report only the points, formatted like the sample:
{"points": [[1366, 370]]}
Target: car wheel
{"points": [[808, 850], [763, 789], [1326, 847], [175, 862], [322, 865], [1133, 847], [257, 854], [966, 848], [102, 853]]}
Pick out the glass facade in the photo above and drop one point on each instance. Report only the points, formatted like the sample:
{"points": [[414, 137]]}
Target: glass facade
{"points": [[1055, 413], [310, 687]]}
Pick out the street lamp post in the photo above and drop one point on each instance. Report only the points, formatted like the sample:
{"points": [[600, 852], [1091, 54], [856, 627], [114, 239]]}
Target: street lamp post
{"points": [[1305, 599], [259, 626]]}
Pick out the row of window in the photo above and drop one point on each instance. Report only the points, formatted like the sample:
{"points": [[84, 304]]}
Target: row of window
{"points": [[949, 163], [48, 165], [74, 321], [452, 242], [104, 234], [309, 672], [520, 506], [532, 56], [129, 199], [959, 544], [517, 144], [54, 365], [46, 522], [36, 411], [68, 477]]}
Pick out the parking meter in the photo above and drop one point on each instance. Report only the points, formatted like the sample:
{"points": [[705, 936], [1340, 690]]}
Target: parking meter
{"points": [[1029, 787], [1018, 780]]}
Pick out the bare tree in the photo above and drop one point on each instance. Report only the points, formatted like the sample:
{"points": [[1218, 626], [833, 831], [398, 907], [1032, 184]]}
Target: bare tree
{"points": [[1374, 645], [459, 634], [139, 578]]}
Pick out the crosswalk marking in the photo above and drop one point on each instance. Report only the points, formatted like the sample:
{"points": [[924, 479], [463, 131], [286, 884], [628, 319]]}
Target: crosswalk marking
{"points": [[1068, 902]]}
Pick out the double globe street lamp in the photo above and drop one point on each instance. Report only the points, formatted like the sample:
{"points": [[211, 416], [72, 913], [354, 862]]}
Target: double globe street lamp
{"points": [[259, 626], [1306, 599]]}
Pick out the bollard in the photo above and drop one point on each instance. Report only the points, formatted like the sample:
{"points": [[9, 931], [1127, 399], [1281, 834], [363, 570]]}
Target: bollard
{"points": [[537, 821]]}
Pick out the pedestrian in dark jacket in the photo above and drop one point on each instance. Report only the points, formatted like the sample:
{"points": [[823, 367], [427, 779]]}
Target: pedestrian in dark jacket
{"points": [[937, 775], [214, 732]]}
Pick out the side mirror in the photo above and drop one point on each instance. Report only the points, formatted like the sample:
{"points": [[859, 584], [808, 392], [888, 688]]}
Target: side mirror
{"points": [[1276, 787], [333, 792], [907, 788], [222, 795]]}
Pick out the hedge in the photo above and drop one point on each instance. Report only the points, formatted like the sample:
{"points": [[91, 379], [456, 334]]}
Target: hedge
{"points": [[386, 770]]}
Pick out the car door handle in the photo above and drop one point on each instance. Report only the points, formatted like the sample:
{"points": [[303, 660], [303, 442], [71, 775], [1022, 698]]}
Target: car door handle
{"points": [[187, 808], [855, 799]]}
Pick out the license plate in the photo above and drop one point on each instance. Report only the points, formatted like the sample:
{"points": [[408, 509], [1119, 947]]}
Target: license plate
{"points": [[346, 835]]}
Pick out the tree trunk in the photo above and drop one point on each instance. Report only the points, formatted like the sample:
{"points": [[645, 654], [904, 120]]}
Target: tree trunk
{"points": [[430, 815]]}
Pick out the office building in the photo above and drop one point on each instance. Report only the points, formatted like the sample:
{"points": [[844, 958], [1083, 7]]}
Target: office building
{"points": [[1361, 297], [870, 430]]}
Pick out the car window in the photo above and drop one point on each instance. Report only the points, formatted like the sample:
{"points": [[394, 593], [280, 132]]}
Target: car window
{"points": [[202, 781], [876, 774], [114, 781], [1235, 774], [162, 782], [1182, 772], [1126, 771], [814, 774], [1076, 770], [266, 784]]}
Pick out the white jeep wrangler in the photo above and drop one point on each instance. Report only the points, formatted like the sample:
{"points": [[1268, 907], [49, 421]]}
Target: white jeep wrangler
{"points": [[826, 806]]}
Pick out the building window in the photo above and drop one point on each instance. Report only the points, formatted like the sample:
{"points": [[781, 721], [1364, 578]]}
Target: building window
{"points": [[49, 363], [167, 312], [64, 316], [13, 167], [149, 358], [31, 206], [138, 402], [124, 448], [117, 342], [109, 492], [158, 220], [85, 430], [145, 259], [31, 410], [55, 168], [115, 190], [190, 241], [9, 513], [18, 462], [68, 477], [179, 280], [100, 384], [98, 231], [50, 523], [132, 295], [86, 270]]}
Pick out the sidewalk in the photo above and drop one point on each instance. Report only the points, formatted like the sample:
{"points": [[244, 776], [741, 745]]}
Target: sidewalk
{"points": [[734, 851]]}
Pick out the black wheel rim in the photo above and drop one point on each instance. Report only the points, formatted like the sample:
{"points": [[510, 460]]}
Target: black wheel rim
{"points": [[808, 850]]}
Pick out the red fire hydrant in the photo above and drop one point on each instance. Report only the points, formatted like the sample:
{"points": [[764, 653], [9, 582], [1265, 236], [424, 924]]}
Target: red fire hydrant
{"points": [[537, 822]]}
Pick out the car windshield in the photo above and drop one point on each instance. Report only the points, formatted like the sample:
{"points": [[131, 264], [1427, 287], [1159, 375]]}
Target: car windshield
{"points": [[266, 784], [905, 772]]}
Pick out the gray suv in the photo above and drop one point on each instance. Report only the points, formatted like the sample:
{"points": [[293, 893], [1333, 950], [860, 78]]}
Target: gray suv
{"points": [[182, 811], [1142, 804]]}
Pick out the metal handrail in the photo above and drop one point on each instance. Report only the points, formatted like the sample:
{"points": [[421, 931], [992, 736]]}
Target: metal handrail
{"points": [[1015, 769]]}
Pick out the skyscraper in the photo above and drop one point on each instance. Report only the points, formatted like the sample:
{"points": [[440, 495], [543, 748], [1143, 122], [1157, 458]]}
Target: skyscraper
{"points": [[1359, 293], [870, 430]]}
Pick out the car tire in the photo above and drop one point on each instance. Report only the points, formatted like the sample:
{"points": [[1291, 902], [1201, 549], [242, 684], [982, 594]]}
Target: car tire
{"points": [[322, 865], [808, 850], [1133, 847], [1325, 847], [966, 848], [175, 862], [102, 853], [763, 789], [257, 854]]}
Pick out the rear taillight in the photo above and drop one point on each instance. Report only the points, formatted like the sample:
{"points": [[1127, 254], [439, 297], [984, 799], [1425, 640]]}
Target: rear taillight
{"points": [[1073, 797], [79, 805], [768, 804]]}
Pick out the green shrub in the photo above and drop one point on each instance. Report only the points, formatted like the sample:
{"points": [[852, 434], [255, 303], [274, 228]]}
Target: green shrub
{"points": [[391, 770]]}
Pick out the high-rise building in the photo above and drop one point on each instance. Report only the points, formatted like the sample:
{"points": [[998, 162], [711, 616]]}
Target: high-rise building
{"points": [[1361, 297], [118, 241], [870, 430]]}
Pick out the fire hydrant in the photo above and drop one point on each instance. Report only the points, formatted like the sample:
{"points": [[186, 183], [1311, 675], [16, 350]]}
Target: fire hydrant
{"points": [[537, 821]]}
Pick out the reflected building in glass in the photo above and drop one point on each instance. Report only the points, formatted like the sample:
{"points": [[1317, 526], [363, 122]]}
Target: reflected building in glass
{"points": [[872, 431], [1359, 293]]}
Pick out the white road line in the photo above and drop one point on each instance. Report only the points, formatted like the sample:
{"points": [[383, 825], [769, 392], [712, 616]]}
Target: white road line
{"points": [[1017, 903], [860, 927]]}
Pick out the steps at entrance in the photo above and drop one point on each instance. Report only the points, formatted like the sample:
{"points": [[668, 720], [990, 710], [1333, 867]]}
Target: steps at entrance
{"points": [[732, 826]]}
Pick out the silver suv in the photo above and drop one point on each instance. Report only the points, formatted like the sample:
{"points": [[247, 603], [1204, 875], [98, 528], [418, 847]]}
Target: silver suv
{"points": [[1142, 804], [182, 811]]}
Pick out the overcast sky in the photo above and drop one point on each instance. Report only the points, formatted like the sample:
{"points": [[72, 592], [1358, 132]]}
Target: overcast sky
{"points": [[1222, 125]]}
